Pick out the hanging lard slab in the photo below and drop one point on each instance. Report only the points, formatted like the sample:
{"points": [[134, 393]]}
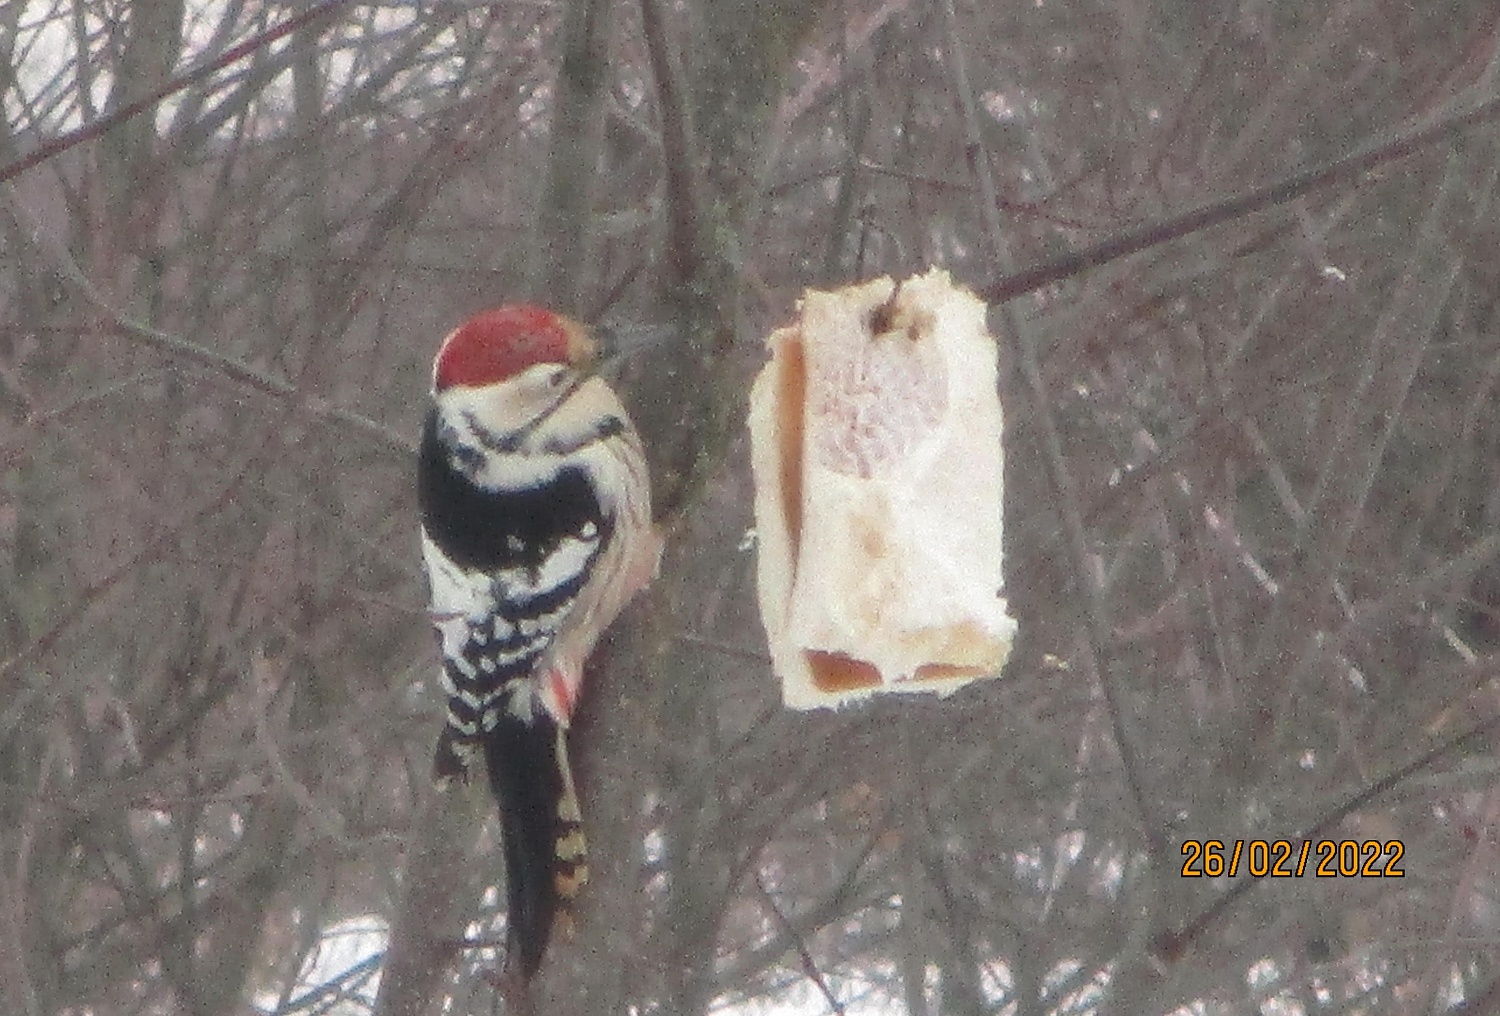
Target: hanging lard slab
{"points": [[876, 446]]}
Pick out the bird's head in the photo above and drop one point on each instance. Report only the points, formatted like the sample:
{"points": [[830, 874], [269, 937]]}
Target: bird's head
{"points": [[513, 366]]}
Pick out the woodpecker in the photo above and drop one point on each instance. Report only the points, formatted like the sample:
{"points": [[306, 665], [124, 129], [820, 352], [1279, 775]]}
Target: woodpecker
{"points": [[536, 531]]}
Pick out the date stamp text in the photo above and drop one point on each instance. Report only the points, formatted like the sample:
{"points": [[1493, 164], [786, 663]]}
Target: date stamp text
{"points": [[1287, 859]]}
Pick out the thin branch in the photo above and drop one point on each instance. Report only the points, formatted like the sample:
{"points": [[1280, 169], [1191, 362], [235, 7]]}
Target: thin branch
{"points": [[97, 591], [177, 347], [1171, 944], [1089, 589], [94, 129], [684, 246], [809, 965], [1346, 170]]}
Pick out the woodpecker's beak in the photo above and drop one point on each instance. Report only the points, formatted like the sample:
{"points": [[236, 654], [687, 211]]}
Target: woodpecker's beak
{"points": [[608, 357], [609, 365], [583, 372]]}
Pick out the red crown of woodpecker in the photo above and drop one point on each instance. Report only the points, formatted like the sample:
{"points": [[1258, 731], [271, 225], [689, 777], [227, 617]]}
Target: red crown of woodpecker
{"points": [[497, 344]]}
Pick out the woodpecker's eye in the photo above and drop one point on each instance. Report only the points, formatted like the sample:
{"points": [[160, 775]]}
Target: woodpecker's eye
{"points": [[559, 377]]}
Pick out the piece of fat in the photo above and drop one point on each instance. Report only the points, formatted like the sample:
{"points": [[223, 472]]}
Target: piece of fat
{"points": [[876, 444]]}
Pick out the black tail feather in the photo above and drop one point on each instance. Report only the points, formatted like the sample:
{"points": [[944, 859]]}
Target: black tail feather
{"points": [[540, 823]]}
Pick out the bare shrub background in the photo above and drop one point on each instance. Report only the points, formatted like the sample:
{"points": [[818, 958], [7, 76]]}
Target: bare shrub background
{"points": [[1252, 518]]}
